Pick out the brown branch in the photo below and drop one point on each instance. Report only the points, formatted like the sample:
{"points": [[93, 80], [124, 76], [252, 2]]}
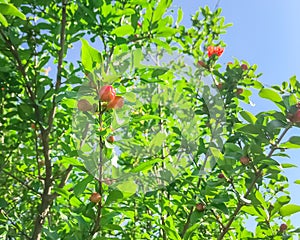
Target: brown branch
{"points": [[12, 48], [252, 185], [59, 64], [218, 219], [47, 197]]}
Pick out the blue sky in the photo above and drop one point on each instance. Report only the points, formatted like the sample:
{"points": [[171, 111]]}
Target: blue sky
{"points": [[265, 33]]}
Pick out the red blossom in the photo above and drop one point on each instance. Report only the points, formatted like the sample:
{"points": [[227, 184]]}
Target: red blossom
{"points": [[107, 93], [211, 50], [116, 103]]}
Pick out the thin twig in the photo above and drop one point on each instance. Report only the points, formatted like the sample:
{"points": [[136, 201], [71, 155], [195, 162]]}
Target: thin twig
{"points": [[15, 225], [20, 181], [218, 219], [59, 64], [252, 185], [217, 5], [22, 70]]}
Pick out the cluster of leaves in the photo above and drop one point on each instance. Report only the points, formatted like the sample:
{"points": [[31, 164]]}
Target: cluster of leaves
{"points": [[173, 128]]}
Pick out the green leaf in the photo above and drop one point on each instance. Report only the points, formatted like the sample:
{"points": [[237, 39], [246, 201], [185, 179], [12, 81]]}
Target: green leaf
{"points": [[249, 117], [71, 161], [107, 218], [113, 227], [220, 198], [3, 20], [114, 195], [146, 117], [289, 101], [123, 30], [70, 103], [289, 209], [191, 230], [284, 200], [281, 201], [81, 186], [90, 57], [250, 210], [222, 207], [11, 10], [161, 9], [172, 231], [159, 71], [158, 140], [293, 142], [127, 188], [250, 129], [74, 201], [269, 162], [130, 97], [231, 147], [297, 181], [288, 165], [3, 203], [145, 165], [62, 192], [179, 16], [260, 198], [25, 110], [138, 57], [166, 32], [270, 94], [293, 81]]}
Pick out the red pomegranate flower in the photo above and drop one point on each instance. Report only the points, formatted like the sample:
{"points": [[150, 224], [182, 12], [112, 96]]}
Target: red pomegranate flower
{"points": [[107, 93], [116, 103], [211, 50]]}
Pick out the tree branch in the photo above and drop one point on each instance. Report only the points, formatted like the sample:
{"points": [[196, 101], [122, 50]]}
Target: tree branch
{"points": [[59, 64], [13, 49], [252, 185], [218, 219], [20, 181], [47, 197]]}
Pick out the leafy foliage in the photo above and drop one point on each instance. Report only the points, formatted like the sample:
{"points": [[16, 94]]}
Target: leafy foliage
{"points": [[186, 161]]}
